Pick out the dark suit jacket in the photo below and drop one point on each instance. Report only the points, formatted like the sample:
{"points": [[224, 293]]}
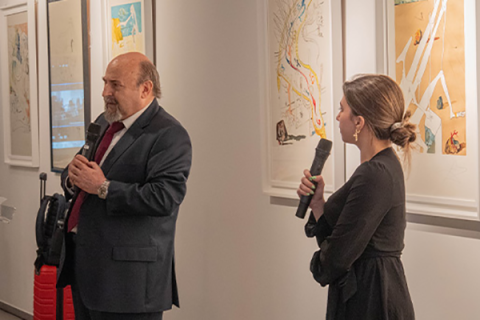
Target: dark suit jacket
{"points": [[124, 260]]}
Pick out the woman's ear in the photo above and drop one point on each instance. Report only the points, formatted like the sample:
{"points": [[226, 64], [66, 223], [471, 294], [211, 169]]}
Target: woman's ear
{"points": [[359, 123]]}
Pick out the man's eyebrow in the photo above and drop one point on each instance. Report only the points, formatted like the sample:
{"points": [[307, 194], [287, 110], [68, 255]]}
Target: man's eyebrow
{"points": [[114, 81]]}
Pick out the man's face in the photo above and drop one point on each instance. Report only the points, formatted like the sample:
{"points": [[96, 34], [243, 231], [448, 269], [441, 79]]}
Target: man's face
{"points": [[120, 92]]}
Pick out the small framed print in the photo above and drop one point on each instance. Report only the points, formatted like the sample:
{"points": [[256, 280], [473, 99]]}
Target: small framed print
{"points": [[129, 27], [19, 84]]}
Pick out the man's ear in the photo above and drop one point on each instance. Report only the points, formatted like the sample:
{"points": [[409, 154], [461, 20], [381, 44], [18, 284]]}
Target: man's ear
{"points": [[147, 88]]}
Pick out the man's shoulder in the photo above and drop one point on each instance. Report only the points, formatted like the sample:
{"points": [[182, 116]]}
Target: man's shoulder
{"points": [[164, 119], [168, 132]]}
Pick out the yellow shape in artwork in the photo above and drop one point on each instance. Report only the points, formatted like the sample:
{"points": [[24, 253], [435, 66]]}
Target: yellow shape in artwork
{"points": [[117, 35]]}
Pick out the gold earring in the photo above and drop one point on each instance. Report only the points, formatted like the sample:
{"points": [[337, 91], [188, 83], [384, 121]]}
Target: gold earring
{"points": [[355, 135]]}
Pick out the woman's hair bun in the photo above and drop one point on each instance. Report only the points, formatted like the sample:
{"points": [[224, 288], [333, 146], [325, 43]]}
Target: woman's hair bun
{"points": [[403, 134]]}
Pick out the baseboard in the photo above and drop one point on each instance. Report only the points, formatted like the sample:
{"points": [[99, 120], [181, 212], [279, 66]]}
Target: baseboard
{"points": [[15, 311]]}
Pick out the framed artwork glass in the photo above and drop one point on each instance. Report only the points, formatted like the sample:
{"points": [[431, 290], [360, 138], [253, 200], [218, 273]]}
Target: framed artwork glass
{"points": [[304, 89], [430, 49], [69, 78], [129, 27], [19, 84]]}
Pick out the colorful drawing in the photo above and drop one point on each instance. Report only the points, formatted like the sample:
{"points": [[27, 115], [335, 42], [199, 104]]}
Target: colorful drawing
{"points": [[301, 109], [430, 68], [19, 81], [299, 69], [127, 28], [452, 145]]}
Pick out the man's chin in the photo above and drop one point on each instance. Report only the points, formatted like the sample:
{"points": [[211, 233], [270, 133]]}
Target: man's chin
{"points": [[112, 117]]}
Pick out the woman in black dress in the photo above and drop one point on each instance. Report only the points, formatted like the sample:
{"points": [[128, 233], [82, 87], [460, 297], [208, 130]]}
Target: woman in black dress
{"points": [[360, 229]]}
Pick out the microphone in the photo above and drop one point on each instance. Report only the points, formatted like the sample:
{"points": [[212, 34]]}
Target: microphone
{"points": [[322, 151], [93, 132]]}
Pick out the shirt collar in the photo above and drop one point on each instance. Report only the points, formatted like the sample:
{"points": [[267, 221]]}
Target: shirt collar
{"points": [[128, 122]]}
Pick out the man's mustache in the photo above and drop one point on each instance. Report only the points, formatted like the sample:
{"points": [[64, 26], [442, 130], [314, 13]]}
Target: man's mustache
{"points": [[109, 100]]}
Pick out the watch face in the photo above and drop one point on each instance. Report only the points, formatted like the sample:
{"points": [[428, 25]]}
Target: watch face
{"points": [[102, 191]]}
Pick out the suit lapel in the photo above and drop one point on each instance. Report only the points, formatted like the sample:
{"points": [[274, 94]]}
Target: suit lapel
{"points": [[132, 134]]}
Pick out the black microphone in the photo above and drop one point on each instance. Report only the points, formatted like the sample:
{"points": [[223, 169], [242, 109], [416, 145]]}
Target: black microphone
{"points": [[322, 151], [93, 132]]}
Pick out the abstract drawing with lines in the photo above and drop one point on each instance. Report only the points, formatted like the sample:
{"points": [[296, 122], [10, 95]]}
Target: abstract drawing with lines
{"points": [[430, 68], [19, 85], [300, 79]]}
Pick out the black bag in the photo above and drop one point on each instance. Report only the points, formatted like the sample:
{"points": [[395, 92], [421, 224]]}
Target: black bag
{"points": [[49, 227]]}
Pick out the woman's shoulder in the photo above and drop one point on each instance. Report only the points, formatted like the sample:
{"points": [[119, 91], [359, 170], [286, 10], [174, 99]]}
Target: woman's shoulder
{"points": [[383, 166]]}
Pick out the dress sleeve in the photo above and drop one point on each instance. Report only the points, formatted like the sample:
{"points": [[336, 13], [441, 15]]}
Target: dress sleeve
{"points": [[319, 229], [368, 200]]}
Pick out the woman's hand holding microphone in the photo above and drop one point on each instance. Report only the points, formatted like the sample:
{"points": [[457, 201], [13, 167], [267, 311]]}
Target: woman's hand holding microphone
{"points": [[314, 186]]}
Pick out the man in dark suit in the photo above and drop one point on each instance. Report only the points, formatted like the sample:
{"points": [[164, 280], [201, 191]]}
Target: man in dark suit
{"points": [[119, 245]]}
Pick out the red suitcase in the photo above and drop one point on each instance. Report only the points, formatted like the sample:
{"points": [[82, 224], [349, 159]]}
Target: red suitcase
{"points": [[46, 297]]}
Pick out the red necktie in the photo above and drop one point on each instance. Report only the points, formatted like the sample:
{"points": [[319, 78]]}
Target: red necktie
{"points": [[102, 148]]}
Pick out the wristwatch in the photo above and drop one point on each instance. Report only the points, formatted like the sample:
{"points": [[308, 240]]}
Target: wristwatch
{"points": [[103, 190]]}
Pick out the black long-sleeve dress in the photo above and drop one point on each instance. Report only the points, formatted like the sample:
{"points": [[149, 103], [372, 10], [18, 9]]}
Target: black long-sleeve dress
{"points": [[360, 236]]}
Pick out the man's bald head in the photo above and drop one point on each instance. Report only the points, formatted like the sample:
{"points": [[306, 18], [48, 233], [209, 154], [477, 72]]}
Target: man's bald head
{"points": [[130, 57], [131, 83], [141, 68]]}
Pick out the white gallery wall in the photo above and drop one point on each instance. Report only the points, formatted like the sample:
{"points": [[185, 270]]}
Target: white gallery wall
{"points": [[240, 254]]}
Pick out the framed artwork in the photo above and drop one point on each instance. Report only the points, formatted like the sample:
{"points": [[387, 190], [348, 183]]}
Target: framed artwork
{"points": [[430, 49], [129, 27], [69, 79], [304, 81], [19, 84]]}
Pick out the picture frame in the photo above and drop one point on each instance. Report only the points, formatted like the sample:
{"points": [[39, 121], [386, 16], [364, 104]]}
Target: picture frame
{"points": [[435, 62], [304, 88], [19, 84], [69, 78], [129, 26]]}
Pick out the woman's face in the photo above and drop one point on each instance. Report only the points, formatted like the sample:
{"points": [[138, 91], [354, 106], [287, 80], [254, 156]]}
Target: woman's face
{"points": [[346, 122]]}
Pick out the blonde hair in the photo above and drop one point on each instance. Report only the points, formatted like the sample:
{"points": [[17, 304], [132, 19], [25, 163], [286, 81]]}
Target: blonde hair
{"points": [[379, 100]]}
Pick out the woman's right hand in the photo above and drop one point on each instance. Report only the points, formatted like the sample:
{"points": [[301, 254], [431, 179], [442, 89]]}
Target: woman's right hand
{"points": [[315, 186]]}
